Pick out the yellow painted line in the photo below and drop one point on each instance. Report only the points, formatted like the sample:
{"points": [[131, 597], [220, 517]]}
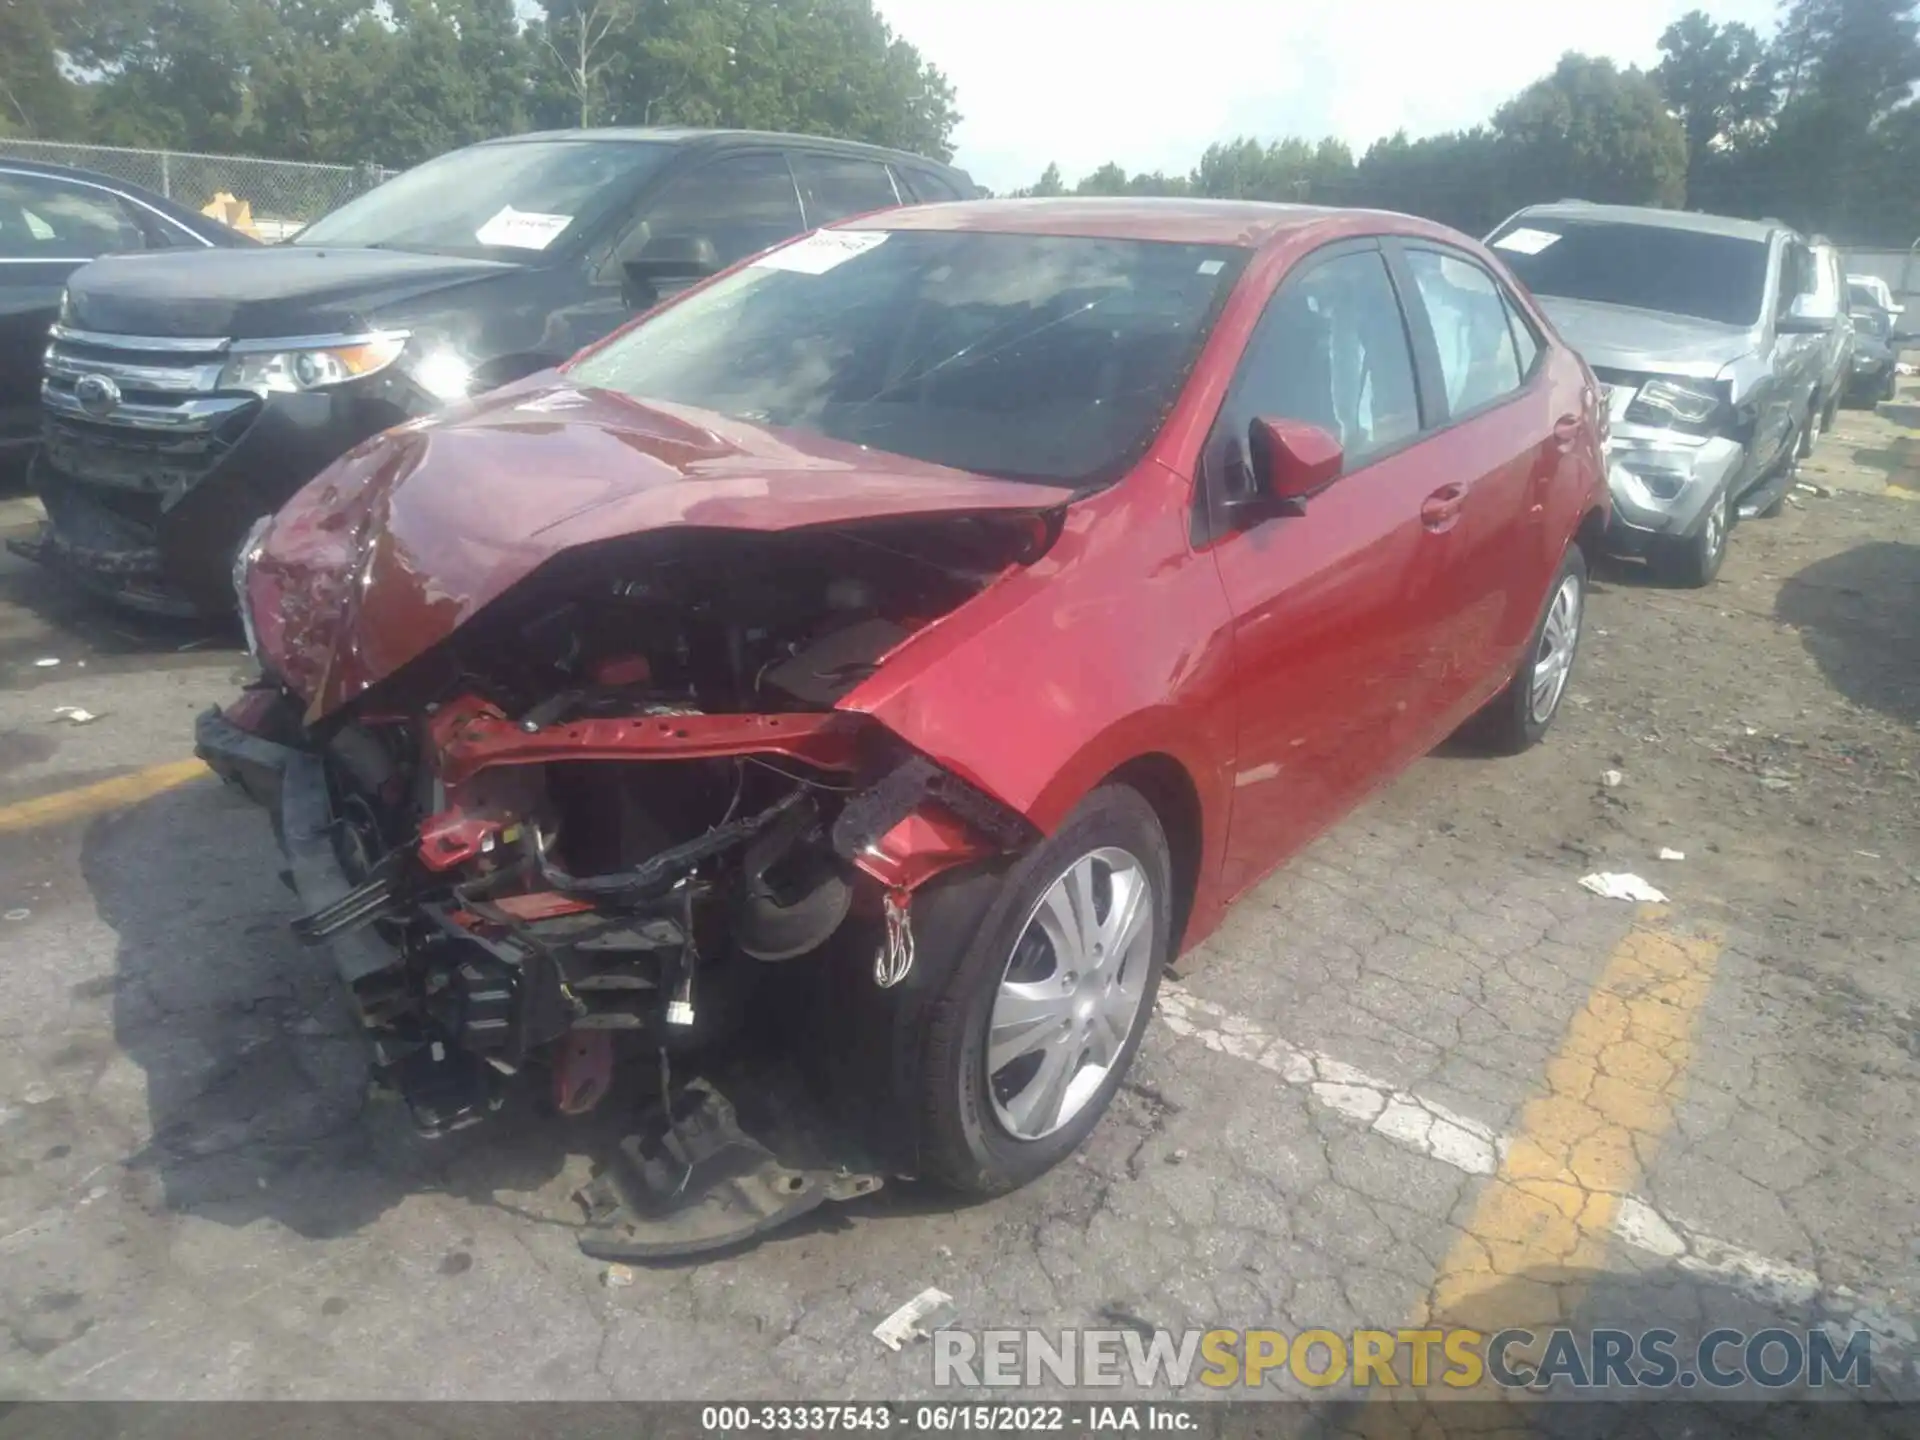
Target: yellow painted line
{"points": [[1539, 1230], [85, 800]]}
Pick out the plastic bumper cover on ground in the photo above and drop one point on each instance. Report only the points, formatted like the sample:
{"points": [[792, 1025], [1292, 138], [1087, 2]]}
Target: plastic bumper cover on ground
{"points": [[292, 785]]}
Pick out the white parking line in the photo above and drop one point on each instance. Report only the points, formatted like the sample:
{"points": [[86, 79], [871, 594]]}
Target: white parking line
{"points": [[1467, 1145], [1430, 1128]]}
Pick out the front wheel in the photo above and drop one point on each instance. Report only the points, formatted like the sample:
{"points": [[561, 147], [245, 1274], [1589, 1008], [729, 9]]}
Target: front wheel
{"points": [[1694, 561], [1519, 715], [1035, 1030]]}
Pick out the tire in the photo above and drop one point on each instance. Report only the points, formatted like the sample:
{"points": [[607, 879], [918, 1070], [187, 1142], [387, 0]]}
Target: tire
{"points": [[1692, 563], [1513, 721], [969, 1119]]}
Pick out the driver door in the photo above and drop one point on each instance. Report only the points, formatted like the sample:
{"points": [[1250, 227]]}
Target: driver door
{"points": [[1335, 599]]}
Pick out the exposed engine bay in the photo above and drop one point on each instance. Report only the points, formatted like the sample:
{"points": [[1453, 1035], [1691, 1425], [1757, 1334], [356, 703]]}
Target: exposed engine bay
{"points": [[565, 836]]}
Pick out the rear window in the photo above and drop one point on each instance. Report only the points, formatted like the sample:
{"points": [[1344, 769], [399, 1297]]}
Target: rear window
{"points": [[929, 187], [1722, 278]]}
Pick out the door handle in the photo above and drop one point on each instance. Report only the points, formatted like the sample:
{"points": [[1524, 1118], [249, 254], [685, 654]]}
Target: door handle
{"points": [[1566, 430], [1440, 509]]}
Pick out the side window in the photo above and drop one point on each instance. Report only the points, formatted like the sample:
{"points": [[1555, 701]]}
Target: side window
{"points": [[742, 203], [836, 186], [1525, 342], [43, 218], [1478, 361], [927, 186], [1332, 350]]}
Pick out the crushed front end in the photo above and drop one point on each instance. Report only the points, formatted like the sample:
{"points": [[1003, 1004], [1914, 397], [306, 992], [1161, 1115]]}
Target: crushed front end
{"points": [[574, 834]]}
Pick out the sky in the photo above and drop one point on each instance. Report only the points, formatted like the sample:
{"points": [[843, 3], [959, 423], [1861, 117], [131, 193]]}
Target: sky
{"points": [[1151, 83]]}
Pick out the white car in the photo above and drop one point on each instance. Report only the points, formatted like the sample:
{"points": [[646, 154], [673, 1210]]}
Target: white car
{"points": [[1882, 292]]}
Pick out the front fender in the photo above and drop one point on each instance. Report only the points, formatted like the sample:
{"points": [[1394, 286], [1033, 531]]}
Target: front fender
{"points": [[1113, 645]]}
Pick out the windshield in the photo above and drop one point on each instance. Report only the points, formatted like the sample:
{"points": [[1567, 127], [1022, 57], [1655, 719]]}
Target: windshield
{"points": [[506, 202], [1722, 278], [1028, 357]]}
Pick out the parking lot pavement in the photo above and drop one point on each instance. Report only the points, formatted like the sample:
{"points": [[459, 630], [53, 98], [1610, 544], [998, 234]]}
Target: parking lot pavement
{"points": [[1419, 1074]]}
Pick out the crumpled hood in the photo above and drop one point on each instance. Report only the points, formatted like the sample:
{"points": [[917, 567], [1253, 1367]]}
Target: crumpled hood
{"points": [[1618, 337], [409, 535]]}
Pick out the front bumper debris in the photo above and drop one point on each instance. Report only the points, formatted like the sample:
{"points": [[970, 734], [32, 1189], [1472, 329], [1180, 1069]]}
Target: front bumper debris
{"points": [[690, 1180], [1662, 482]]}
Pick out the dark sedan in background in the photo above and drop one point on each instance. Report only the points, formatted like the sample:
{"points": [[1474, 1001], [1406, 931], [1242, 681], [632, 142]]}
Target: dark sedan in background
{"points": [[53, 220]]}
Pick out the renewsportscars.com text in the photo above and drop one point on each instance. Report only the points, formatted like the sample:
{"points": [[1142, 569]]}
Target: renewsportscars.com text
{"points": [[1458, 1359]]}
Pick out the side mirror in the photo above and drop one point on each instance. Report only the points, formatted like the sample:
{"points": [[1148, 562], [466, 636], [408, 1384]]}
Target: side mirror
{"points": [[1806, 316], [668, 260], [1292, 459]]}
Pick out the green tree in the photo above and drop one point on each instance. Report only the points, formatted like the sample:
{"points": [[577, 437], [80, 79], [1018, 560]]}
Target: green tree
{"points": [[830, 67], [1048, 184], [1454, 178], [1284, 170], [1719, 80], [581, 40], [36, 100], [1595, 131], [169, 72]]}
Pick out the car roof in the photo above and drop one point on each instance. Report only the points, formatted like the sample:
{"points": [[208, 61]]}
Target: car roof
{"points": [[689, 135], [1248, 224], [1650, 215], [75, 172]]}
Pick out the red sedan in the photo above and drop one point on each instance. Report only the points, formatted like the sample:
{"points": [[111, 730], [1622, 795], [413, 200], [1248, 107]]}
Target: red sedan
{"points": [[944, 616]]}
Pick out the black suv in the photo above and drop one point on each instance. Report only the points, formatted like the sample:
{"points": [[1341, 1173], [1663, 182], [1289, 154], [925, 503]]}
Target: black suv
{"points": [[188, 395]]}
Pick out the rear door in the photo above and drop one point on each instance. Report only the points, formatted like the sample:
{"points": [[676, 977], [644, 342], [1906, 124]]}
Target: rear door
{"points": [[1498, 447], [833, 187], [1333, 597]]}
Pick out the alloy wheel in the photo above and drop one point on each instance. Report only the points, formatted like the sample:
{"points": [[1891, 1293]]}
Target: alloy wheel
{"points": [[1070, 994], [1553, 663]]}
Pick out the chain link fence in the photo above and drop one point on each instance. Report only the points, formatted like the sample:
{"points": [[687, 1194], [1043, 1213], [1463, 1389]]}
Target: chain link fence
{"points": [[268, 198]]}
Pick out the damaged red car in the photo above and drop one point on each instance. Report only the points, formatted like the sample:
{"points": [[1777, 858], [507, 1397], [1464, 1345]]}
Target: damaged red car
{"points": [[956, 609]]}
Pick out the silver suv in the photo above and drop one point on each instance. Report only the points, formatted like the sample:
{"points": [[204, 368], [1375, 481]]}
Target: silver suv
{"points": [[1709, 338]]}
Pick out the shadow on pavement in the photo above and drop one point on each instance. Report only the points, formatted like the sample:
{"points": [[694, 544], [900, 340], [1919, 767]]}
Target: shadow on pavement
{"points": [[1858, 613], [61, 607], [256, 1079]]}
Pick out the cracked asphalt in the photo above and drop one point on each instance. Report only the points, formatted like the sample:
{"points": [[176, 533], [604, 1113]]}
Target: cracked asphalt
{"points": [[1420, 1075]]}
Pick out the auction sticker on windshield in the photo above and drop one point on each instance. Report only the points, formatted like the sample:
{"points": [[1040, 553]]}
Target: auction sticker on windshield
{"points": [[821, 251], [522, 229], [1525, 242]]}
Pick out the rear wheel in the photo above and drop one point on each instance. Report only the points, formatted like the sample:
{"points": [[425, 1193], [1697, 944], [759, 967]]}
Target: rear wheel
{"points": [[1038, 1024], [1519, 715]]}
